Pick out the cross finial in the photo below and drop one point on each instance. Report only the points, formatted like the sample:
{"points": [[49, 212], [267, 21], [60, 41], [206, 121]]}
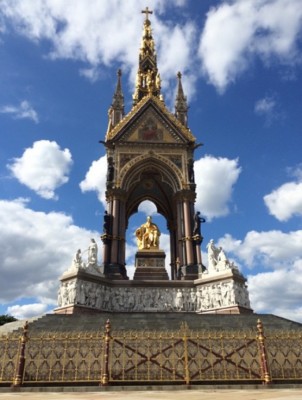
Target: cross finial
{"points": [[147, 12]]}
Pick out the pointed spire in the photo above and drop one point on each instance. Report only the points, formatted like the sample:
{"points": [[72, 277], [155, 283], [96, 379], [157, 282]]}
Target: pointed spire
{"points": [[181, 105], [116, 112], [148, 80]]}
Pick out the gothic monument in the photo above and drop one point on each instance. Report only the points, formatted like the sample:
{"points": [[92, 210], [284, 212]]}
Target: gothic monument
{"points": [[150, 155]]}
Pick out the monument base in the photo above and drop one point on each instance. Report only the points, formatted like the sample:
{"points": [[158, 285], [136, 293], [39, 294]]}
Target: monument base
{"points": [[224, 290], [85, 291], [150, 266]]}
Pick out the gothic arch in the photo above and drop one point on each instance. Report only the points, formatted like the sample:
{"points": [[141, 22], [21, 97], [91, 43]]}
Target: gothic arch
{"points": [[151, 163]]}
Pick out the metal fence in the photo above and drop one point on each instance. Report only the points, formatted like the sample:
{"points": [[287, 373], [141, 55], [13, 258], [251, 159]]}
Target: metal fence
{"points": [[141, 357]]}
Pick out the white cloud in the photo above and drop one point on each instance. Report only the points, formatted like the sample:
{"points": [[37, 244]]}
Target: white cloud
{"points": [[271, 249], [296, 172], [147, 207], [92, 74], [278, 292], [95, 179], [286, 201], [23, 111], [27, 310], [109, 32], [265, 106], [268, 108], [278, 289], [237, 30], [36, 248], [106, 32], [215, 178], [173, 58], [43, 168]]}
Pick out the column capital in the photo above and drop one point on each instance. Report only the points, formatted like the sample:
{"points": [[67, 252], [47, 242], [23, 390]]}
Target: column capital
{"points": [[185, 194], [116, 194]]}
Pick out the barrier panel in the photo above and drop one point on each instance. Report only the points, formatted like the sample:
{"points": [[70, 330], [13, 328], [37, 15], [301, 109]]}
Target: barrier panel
{"points": [[183, 356]]}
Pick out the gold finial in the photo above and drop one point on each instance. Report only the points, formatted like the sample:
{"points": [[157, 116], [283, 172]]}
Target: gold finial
{"points": [[147, 12]]}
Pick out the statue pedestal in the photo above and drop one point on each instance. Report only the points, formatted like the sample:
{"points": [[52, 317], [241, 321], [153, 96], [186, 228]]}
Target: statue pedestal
{"points": [[150, 266], [223, 292]]}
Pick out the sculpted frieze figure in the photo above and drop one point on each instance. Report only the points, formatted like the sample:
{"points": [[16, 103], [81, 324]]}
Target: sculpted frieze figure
{"points": [[179, 301], [148, 235], [60, 297]]}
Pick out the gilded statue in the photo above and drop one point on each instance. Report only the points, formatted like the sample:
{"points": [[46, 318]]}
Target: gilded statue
{"points": [[148, 235]]}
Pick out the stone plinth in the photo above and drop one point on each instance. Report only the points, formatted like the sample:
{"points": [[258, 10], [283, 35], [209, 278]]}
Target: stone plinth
{"points": [[150, 266], [223, 291], [86, 290]]}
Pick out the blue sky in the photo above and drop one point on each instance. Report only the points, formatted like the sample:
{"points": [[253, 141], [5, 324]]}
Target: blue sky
{"points": [[242, 72]]}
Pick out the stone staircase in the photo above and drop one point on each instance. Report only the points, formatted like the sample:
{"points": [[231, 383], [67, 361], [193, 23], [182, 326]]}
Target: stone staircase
{"points": [[154, 321]]}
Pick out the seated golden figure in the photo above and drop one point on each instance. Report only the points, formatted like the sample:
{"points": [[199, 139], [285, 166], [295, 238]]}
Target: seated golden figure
{"points": [[148, 235]]}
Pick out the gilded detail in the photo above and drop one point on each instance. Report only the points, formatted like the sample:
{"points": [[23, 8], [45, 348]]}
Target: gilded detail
{"points": [[147, 235]]}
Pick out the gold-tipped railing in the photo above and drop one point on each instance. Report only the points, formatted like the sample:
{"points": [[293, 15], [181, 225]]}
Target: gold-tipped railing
{"points": [[183, 356]]}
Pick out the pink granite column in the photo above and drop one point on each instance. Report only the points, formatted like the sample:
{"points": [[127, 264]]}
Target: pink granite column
{"points": [[188, 230], [115, 231], [180, 234], [122, 234]]}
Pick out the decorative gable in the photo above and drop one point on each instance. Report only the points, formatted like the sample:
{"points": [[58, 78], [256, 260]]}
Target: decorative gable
{"points": [[150, 121]]}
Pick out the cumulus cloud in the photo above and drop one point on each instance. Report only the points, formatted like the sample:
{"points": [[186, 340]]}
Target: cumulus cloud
{"points": [[271, 249], [23, 111], [36, 248], [238, 30], [43, 168], [215, 179], [181, 57], [278, 255], [285, 201], [104, 33], [27, 310], [95, 179], [270, 293]]}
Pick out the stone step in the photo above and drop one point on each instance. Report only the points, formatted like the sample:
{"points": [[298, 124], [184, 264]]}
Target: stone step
{"points": [[157, 321], [150, 274]]}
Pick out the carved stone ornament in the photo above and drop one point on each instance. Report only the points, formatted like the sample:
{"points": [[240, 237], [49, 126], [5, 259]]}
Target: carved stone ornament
{"points": [[98, 296]]}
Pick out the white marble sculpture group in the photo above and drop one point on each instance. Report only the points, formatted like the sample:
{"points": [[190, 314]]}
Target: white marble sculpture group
{"points": [[217, 260], [205, 296], [91, 265]]}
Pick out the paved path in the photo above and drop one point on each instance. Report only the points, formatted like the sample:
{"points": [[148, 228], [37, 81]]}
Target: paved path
{"points": [[220, 394]]}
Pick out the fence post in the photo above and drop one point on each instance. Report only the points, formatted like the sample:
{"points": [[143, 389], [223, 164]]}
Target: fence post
{"points": [[105, 374], [185, 329], [18, 378], [264, 363]]}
